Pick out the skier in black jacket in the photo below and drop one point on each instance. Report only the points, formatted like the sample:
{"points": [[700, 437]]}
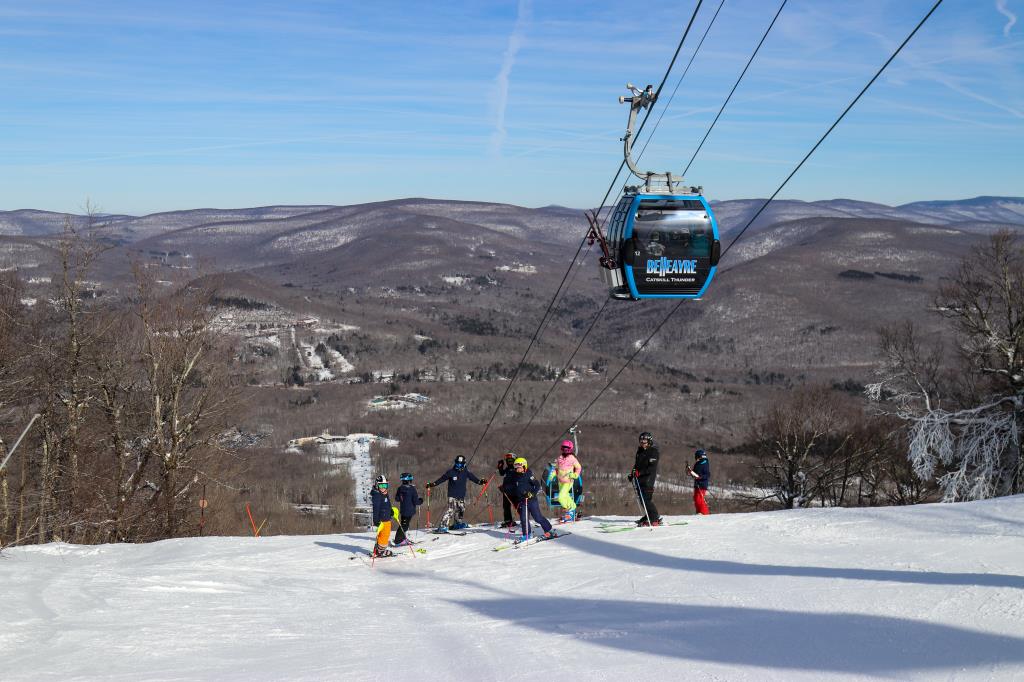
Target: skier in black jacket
{"points": [[408, 499], [645, 471], [456, 477], [506, 471], [522, 488]]}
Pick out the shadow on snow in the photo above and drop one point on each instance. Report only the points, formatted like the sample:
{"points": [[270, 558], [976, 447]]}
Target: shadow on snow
{"points": [[634, 555], [347, 548], [835, 642]]}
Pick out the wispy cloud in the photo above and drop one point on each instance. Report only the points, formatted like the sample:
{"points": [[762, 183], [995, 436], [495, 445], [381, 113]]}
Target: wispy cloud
{"points": [[1010, 16], [515, 41]]}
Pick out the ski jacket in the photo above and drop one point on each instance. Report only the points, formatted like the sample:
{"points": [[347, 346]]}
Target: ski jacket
{"points": [[506, 475], [457, 481], [408, 499], [646, 466], [703, 471], [518, 485], [381, 505], [567, 468]]}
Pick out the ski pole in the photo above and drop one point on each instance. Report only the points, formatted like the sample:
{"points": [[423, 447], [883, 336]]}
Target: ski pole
{"points": [[643, 504], [428, 508], [407, 542], [516, 506]]}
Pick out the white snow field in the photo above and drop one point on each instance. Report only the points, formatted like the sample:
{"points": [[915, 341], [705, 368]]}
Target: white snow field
{"points": [[929, 592]]}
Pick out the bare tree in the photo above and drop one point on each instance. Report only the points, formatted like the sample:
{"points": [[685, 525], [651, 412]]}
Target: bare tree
{"points": [[186, 385], [796, 442], [965, 423]]}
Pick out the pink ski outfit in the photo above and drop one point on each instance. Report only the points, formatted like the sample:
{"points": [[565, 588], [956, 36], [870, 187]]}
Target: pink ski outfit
{"points": [[567, 469]]}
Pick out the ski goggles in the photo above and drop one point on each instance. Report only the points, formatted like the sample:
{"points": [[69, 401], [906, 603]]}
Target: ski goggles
{"points": [[566, 448]]}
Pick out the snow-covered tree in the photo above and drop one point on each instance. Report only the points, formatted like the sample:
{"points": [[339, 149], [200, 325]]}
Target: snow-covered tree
{"points": [[965, 421]]}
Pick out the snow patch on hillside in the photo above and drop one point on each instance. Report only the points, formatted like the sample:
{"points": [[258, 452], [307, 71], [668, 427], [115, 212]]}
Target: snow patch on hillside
{"points": [[518, 267]]}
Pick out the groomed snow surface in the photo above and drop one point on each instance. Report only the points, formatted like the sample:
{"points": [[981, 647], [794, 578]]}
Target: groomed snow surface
{"points": [[929, 592]]}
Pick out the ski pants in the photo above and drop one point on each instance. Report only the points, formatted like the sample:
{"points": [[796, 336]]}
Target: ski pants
{"points": [[402, 529], [383, 533], [700, 503], [506, 509], [647, 497], [533, 507], [565, 497], [456, 510]]}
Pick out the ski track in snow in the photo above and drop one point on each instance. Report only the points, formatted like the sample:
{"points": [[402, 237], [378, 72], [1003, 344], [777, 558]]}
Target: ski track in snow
{"points": [[928, 592]]}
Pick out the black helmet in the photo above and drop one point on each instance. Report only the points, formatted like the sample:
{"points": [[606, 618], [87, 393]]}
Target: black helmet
{"points": [[648, 436], [700, 453], [406, 477], [460, 462]]}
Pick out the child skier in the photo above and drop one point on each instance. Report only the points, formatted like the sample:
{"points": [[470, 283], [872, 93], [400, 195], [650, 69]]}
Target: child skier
{"points": [[566, 469], [408, 499], [701, 473], [381, 516], [522, 489], [456, 477], [506, 470]]}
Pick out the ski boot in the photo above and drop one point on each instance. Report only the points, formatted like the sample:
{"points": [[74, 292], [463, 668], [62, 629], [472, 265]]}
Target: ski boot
{"points": [[441, 530], [381, 552], [460, 525], [569, 516], [550, 534], [507, 524]]}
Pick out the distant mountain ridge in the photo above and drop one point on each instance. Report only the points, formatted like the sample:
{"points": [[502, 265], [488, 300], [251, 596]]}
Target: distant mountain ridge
{"points": [[732, 215]]}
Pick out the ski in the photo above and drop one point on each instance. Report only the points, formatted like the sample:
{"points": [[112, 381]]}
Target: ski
{"points": [[368, 557], [532, 541], [622, 529]]}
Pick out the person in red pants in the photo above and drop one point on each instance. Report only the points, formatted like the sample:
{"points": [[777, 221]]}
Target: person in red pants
{"points": [[701, 473]]}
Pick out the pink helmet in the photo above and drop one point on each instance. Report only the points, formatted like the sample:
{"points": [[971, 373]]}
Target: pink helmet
{"points": [[567, 446]]}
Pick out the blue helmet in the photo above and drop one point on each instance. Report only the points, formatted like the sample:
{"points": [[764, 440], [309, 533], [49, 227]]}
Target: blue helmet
{"points": [[405, 477]]}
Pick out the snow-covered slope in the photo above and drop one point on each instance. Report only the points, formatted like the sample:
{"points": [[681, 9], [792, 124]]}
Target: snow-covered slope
{"points": [[930, 592]]}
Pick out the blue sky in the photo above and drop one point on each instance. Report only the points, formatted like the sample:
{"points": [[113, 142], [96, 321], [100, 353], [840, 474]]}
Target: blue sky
{"points": [[148, 106]]}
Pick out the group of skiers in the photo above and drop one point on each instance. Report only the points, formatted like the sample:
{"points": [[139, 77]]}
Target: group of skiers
{"points": [[519, 488]]}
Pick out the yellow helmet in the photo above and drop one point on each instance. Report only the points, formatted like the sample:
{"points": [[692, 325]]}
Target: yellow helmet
{"points": [[520, 460]]}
